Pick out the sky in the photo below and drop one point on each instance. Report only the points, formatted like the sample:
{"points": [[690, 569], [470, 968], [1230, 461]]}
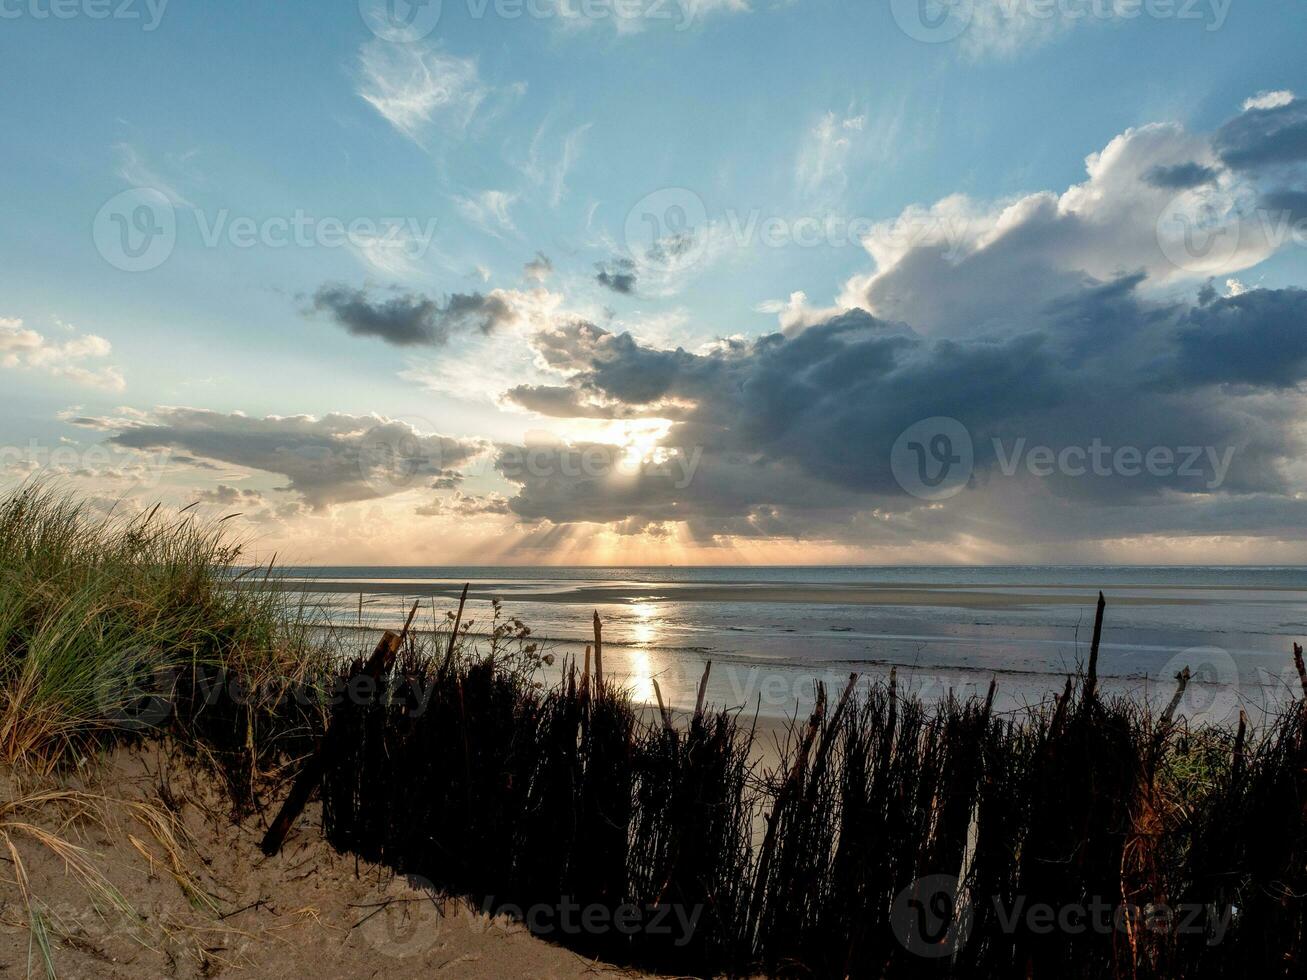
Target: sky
{"points": [[664, 281]]}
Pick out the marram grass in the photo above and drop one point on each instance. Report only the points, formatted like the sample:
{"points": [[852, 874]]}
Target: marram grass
{"points": [[107, 623]]}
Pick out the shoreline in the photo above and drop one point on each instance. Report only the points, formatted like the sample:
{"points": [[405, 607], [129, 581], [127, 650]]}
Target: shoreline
{"points": [[871, 594]]}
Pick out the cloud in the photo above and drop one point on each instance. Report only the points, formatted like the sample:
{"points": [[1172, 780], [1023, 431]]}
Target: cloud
{"points": [[1002, 29], [618, 275], [1158, 200], [414, 85], [24, 349], [796, 434], [824, 154], [1269, 133], [459, 504], [488, 210], [412, 319], [1180, 176], [133, 168], [1051, 320], [229, 496], [547, 167], [796, 314], [538, 269], [1268, 100], [330, 460]]}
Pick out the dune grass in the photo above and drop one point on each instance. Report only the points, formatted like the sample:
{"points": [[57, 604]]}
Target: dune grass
{"points": [[113, 628], [1086, 837]]}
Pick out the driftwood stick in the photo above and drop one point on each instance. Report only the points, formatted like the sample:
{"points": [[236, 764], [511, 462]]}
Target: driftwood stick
{"points": [[453, 635], [310, 776], [1182, 681], [1091, 682], [989, 697], [703, 689], [1302, 670], [662, 709], [599, 653]]}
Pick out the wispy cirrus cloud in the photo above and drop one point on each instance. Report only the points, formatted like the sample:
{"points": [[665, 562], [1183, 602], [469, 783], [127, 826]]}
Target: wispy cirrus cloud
{"points": [[414, 86], [489, 211], [548, 163], [824, 154]]}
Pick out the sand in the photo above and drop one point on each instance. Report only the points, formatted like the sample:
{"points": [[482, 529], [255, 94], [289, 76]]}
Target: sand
{"points": [[306, 913]]}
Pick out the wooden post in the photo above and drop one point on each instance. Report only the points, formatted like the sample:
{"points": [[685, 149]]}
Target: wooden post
{"points": [[377, 665], [599, 654], [1091, 681], [1302, 670]]}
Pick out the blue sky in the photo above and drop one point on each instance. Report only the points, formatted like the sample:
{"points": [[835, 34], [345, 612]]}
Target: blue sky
{"points": [[492, 140]]}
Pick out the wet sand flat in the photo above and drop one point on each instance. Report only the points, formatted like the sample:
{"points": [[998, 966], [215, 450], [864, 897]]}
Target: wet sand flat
{"points": [[978, 597]]}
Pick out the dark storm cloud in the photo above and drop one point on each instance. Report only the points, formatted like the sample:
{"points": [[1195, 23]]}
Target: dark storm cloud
{"points": [[1284, 204], [1181, 176], [797, 432], [1258, 338], [1265, 137], [411, 319], [617, 275]]}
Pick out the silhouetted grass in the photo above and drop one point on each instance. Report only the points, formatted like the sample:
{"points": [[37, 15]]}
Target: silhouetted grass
{"points": [[899, 839]]}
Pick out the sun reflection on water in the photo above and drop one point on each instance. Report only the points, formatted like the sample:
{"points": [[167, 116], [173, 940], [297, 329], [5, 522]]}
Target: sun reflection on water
{"points": [[644, 632]]}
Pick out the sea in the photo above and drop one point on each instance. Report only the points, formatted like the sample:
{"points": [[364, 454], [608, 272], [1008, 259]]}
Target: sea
{"points": [[772, 634]]}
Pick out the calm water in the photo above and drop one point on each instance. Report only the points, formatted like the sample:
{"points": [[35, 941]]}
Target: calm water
{"points": [[770, 632]]}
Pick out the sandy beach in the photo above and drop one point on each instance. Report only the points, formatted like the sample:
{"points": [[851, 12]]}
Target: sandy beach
{"points": [[211, 905]]}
